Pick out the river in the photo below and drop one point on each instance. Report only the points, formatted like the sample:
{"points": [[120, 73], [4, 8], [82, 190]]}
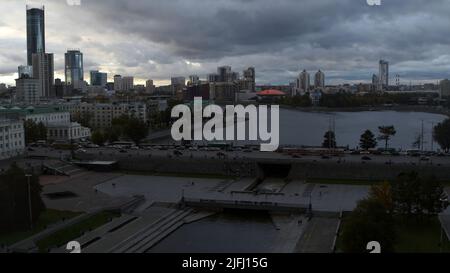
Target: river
{"points": [[308, 128]]}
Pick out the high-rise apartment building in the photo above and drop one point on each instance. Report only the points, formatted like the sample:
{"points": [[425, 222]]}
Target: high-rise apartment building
{"points": [[383, 75], [445, 88], [194, 79], [319, 80], [224, 73], [127, 83], [248, 81], [177, 84], [303, 82], [117, 83]]}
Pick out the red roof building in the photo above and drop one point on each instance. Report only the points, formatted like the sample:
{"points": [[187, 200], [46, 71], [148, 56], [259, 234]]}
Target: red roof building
{"points": [[271, 92]]}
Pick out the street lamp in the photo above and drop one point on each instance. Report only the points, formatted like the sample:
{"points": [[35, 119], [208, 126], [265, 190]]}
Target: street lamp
{"points": [[444, 204], [310, 207], [28, 176]]}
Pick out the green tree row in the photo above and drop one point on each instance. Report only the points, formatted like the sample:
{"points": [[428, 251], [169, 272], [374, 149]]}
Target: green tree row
{"points": [[367, 139], [124, 127]]}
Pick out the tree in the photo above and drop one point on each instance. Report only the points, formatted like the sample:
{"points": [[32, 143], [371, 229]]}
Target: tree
{"points": [[415, 195], [14, 200], [34, 131], [368, 140], [112, 134], [42, 131], [98, 137], [130, 127], [329, 140], [386, 132], [368, 222], [136, 130], [441, 134], [383, 193], [83, 118]]}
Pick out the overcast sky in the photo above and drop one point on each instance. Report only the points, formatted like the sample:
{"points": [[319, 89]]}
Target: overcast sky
{"points": [[158, 39]]}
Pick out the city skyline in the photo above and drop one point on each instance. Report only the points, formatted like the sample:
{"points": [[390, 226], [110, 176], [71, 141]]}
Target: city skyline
{"points": [[132, 39]]}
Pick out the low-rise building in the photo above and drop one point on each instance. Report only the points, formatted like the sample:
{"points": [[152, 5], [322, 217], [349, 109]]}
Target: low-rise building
{"points": [[101, 115], [12, 138], [67, 132], [56, 120], [46, 115]]}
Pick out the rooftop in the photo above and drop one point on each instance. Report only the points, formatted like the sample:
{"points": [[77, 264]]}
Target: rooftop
{"points": [[29, 110]]}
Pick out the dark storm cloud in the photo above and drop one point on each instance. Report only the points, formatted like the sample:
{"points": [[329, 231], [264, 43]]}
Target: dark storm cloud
{"points": [[345, 38]]}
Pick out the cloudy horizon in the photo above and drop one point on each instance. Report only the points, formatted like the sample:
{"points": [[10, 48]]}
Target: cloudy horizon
{"points": [[159, 39]]}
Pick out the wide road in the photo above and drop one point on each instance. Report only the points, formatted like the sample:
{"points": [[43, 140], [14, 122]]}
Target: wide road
{"points": [[255, 155]]}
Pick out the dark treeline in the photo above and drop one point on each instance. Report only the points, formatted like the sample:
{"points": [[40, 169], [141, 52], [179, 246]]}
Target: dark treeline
{"points": [[15, 200]]}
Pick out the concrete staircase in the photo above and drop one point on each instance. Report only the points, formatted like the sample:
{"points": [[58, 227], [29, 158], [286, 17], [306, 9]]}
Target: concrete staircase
{"points": [[145, 239]]}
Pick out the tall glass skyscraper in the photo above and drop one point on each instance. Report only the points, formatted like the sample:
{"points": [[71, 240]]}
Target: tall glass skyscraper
{"points": [[74, 67], [35, 32]]}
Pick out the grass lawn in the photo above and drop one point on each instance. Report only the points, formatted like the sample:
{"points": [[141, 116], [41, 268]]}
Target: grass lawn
{"points": [[420, 237], [65, 235], [47, 218], [415, 237]]}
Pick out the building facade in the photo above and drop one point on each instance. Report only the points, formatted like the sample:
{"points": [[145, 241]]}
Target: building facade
{"points": [[25, 71], [43, 70], [445, 88], [28, 90], [383, 75], [67, 132], [12, 138], [98, 78], [127, 83], [102, 114]]}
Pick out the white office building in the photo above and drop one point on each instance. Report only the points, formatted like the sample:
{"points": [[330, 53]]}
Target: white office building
{"points": [[12, 138]]}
